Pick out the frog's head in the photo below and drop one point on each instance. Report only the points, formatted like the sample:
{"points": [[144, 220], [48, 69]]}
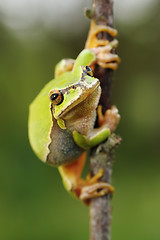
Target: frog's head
{"points": [[65, 99]]}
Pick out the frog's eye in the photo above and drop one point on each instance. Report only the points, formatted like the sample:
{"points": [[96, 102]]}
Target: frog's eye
{"points": [[56, 97], [87, 70]]}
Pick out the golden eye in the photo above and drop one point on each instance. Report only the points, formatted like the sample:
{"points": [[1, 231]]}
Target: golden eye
{"points": [[56, 97], [87, 70]]}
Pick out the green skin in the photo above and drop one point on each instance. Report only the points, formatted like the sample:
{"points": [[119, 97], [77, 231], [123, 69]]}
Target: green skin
{"points": [[59, 134]]}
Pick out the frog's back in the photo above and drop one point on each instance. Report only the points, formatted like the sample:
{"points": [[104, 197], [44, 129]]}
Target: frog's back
{"points": [[40, 122], [41, 126]]}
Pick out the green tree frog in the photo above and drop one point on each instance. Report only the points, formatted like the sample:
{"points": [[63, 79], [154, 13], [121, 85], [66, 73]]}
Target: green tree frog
{"points": [[63, 115]]}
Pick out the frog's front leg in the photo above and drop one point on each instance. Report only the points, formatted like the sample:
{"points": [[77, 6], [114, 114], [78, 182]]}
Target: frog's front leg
{"points": [[65, 65], [92, 39], [107, 124], [110, 119], [102, 48], [104, 56]]}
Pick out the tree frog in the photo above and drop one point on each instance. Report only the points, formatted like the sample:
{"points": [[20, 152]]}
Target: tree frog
{"points": [[63, 115]]}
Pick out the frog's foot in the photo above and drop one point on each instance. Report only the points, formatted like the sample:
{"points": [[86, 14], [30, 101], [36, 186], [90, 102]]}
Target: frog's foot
{"points": [[110, 119], [104, 56], [92, 188], [65, 65], [96, 190], [93, 41]]}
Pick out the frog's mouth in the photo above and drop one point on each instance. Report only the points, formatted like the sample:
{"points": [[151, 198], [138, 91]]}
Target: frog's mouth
{"points": [[73, 96]]}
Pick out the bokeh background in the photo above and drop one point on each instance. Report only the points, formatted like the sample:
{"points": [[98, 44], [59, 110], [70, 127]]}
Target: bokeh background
{"points": [[34, 36]]}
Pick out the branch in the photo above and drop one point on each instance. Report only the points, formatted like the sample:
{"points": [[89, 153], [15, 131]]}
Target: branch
{"points": [[100, 210], [103, 155]]}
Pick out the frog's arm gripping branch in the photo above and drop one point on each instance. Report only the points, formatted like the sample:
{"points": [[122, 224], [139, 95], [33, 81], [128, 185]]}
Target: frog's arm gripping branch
{"points": [[92, 40], [103, 48]]}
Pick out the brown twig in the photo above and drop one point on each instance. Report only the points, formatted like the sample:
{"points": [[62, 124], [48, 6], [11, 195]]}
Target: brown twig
{"points": [[100, 210], [103, 155]]}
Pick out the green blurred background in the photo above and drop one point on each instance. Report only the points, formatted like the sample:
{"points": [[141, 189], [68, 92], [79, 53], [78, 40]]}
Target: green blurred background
{"points": [[33, 38]]}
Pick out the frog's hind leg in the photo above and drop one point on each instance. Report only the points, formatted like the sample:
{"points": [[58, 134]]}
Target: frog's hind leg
{"points": [[94, 188], [84, 189], [71, 175]]}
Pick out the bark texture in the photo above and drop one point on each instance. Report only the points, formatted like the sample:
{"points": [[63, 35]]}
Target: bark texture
{"points": [[103, 155]]}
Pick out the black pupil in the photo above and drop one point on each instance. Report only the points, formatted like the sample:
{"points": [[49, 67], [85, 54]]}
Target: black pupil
{"points": [[88, 68], [54, 96]]}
